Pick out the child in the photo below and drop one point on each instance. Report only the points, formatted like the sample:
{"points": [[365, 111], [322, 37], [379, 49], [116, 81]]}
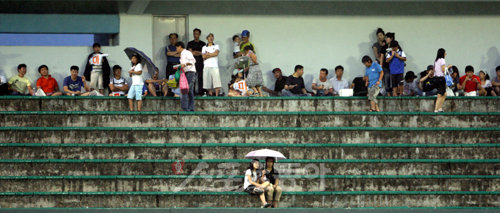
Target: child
{"points": [[251, 183], [47, 83], [373, 79], [137, 83], [396, 59], [236, 46], [117, 84], [238, 85], [410, 85], [470, 83], [73, 84]]}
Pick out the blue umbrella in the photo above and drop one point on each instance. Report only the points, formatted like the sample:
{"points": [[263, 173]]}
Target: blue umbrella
{"points": [[146, 62]]}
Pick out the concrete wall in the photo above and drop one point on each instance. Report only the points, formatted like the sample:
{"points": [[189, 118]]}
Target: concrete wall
{"points": [[135, 31]]}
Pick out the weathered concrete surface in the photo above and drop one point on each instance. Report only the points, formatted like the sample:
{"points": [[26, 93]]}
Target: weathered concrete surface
{"points": [[236, 184], [151, 168], [318, 120], [239, 152], [319, 201], [258, 104], [249, 136]]}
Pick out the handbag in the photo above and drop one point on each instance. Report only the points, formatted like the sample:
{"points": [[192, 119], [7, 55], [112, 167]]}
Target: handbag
{"points": [[183, 83], [448, 78]]}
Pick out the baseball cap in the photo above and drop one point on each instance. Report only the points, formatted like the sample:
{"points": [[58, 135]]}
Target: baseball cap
{"points": [[236, 71], [276, 69], [245, 33]]}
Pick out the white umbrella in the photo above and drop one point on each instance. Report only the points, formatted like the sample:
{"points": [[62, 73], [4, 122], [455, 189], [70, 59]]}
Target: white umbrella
{"points": [[262, 154]]}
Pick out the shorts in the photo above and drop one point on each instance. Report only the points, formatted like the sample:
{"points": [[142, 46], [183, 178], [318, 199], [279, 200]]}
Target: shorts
{"points": [[472, 93], [135, 91], [373, 93], [396, 80], [211, 78], [440, 85], [96, 80]]}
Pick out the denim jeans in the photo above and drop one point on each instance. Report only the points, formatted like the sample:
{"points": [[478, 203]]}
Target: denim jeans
{"points": [[285, 92], [187, 100]]}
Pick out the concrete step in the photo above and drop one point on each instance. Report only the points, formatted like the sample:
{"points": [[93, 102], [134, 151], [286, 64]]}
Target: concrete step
{"points": [[248, 119], [349, 199], [90, 167], [224, 183], [290, 135], [261, 104], [238, 150]]}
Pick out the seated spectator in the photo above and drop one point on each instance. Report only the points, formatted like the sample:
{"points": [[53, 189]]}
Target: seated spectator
{"points": [[337, 82], [4, 86], [455, 75], [47, 83], [496, 83], [486, 87], [172, 87], [470, 83], [410, 85], [251, 183], [238, 86], [373, 78], [359, 87], [322, 85], [426, 82], [156, 87], [273, 193], [279, 85], [118, 85], [20, 84], [294, 85], [73, 84]]}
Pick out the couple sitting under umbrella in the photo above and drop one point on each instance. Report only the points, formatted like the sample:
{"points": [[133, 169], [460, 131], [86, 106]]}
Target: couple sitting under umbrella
{"points": [[263, 182]]}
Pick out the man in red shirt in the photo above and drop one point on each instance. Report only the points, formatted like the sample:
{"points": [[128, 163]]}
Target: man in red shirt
{"points": [[470, 83], [47, 83]]}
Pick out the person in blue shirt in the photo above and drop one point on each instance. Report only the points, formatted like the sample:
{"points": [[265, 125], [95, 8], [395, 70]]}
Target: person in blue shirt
{"points": [[396, 59], [173, 56], [373, 78], [73, 84]]}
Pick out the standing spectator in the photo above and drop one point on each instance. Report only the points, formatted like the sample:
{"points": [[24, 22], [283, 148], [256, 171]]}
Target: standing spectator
{"points": [[195, 46], [294, 85], [136, 90], [274, 192], [47, 83], [322, 85], [337, 82], [172, 55], [73, 84], [486, 87], [97, 69], [251, 183], [4, 86], [373, 78], [279, 85], [211, 76], [396, 59], [389, 37], [377, 46], [439, 81], [359, 87], [470, 83], [254, 78], [410, 85], [117, 84], [426, 82], [245, 41], [187, 62], [496, 83], [236, 46], [20, 84]]}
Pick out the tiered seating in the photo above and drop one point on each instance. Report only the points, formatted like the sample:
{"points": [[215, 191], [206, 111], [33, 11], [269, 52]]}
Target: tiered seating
{"points": [[89, 152]]}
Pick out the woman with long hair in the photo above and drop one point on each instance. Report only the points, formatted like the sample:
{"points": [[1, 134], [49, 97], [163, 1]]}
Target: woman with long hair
{"points": [[439, 81], [252, 184]]}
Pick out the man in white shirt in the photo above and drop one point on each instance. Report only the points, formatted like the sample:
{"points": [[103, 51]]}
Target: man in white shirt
{"points": [[211, 76], [187, 62], [321, 85], [337, 82]]}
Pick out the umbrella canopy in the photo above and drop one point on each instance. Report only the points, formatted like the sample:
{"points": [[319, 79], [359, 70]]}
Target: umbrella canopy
{"points": [[262, 154], [147, 63]]}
